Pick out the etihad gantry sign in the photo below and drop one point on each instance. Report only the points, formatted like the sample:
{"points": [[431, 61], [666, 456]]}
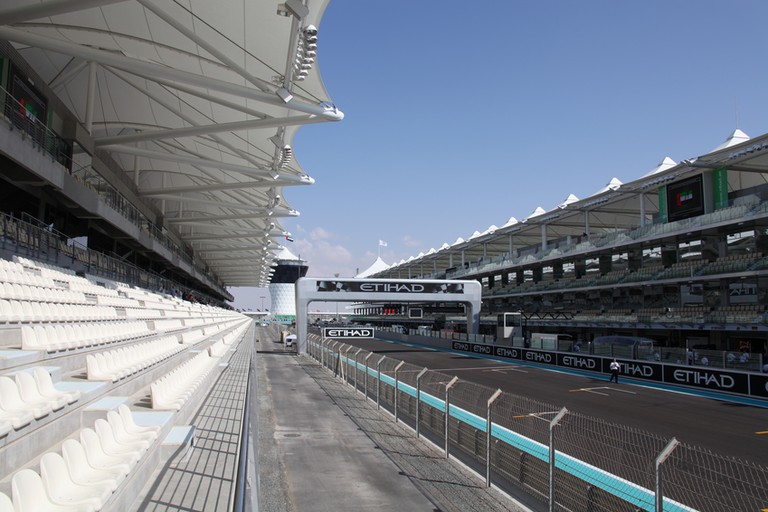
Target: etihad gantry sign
{"points": [[310, 289], [392, 286], [348, 332]]}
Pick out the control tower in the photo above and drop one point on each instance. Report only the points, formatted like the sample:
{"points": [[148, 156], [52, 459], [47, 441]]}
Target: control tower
{"points": [[288, 269]]}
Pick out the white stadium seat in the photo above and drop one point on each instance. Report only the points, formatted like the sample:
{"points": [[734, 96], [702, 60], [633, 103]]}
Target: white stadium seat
{"points": [[11, 401], [6, 504], [127, 416], [30, 392], [111, 443], [29, 495], [62, 490], [47, 388], [83, 472], [101, 459]]}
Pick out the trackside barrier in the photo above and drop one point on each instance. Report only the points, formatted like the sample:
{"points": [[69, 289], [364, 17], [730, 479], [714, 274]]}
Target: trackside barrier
{"points": [[589, 464]]}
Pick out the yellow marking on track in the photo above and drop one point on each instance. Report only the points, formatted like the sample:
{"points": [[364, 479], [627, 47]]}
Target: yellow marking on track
{"points": [[589, 390], [760, 433], [483, 368], [535, 414], [595, 391]]}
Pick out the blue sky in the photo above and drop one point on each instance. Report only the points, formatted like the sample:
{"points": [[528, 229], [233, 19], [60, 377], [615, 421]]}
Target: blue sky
{"points": [[460, 115]]}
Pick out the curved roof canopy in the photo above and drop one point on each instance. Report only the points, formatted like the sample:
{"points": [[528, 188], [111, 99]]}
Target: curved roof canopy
{"points": [[197, 102]]}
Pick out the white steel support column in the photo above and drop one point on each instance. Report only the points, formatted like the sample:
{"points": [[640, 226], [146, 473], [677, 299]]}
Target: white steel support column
{"points": [[90, 96], [543, 237], [586, 223], [136, 171], [162, 201]]}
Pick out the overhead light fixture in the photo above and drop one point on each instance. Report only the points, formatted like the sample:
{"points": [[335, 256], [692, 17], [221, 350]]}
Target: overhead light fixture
{"points": [[285, 156], [306, 51], [284, 94]]}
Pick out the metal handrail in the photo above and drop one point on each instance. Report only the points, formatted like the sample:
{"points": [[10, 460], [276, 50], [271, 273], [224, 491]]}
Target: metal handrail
{"points": [[239, 503]]}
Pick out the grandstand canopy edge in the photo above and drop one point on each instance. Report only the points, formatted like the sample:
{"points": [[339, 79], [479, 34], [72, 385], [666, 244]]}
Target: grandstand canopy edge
{"points": [[311, 289]]}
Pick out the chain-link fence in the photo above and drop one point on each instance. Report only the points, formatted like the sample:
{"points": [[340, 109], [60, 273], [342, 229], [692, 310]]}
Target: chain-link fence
{"points": [[507, 439]]}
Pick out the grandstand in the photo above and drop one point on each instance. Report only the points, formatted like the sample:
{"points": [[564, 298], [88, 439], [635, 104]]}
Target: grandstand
{"points": [[679, 255], [97, 377]]}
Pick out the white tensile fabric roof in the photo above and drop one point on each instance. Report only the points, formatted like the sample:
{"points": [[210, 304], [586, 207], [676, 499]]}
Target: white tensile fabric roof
{"points": [[376, 267], [195, 101]]}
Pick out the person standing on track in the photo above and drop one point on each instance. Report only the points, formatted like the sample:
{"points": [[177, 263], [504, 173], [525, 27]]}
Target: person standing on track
{"points": [[614, 367]]}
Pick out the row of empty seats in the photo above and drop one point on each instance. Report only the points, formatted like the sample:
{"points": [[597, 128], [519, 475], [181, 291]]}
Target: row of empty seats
{"points": [[172, 390], [43, 293], [122, 362], [30, 395], [58, 337], [87, 471], [24, 311]]}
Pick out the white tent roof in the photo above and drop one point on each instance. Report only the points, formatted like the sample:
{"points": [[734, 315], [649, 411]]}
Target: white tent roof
{"points": [[285, 254], [737, 137], [376, 267]]}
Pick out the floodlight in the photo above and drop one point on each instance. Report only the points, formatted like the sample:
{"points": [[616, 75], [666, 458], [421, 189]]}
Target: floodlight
{"points": [[293, 7], [284, 94]]}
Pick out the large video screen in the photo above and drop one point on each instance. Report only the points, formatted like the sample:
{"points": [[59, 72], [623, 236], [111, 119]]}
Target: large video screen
{"points": [[32, 104], [685, 199]]}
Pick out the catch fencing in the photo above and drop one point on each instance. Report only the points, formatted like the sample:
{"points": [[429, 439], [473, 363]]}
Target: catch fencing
{"points": [[568, 461]]}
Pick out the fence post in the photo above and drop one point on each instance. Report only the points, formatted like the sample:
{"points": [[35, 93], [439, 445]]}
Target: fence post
{"points": [[448, 413], [378, 382], [322, 352], [354, 379], [488, 423], [552, 426], [397, 382], [335, 358], [418, 398], [366, 374], [342, 364], [663, 456]]}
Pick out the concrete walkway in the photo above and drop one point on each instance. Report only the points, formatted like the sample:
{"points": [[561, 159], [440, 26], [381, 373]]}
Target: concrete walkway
{"points": [[323, 447]]}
